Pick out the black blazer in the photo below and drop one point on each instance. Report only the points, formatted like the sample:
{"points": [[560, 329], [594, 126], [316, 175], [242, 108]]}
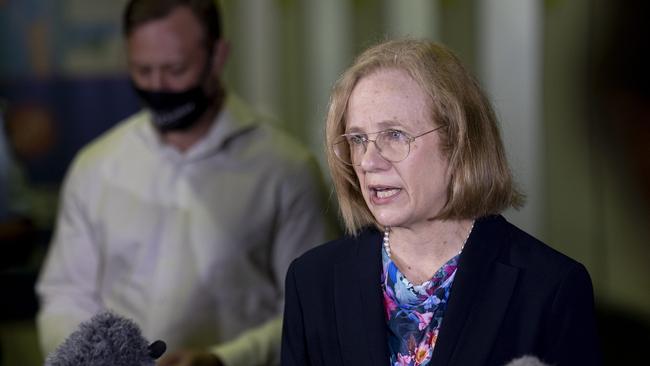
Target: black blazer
{"points": [[512, 296]]}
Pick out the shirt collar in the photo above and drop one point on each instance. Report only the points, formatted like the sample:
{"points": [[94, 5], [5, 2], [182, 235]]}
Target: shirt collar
{"points": [[234, 118]]}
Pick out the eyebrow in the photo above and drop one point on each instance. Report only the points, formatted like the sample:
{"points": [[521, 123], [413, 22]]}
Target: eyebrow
{"points": [[382, 126]]}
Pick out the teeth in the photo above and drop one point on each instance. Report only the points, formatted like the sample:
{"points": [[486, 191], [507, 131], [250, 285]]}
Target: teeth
{"points": [[385, 193]]}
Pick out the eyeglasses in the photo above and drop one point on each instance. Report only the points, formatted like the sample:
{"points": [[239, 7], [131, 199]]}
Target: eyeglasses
{"points": [[393, 145]]}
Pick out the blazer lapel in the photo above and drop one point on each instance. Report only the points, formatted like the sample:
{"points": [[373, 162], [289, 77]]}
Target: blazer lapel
{"points": [[478, 300], [359, 303]]}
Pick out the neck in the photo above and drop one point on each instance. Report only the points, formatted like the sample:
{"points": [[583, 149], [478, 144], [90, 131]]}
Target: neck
{"points": [[420, 252], [434, 237], [185, 139]]}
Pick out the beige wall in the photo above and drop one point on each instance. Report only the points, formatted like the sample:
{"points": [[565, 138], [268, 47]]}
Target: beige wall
{"points": [[595, 210]]}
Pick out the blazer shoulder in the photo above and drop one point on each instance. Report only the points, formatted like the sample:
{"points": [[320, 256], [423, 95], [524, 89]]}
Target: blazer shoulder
{"points": [[527, 252], [327, 255]]}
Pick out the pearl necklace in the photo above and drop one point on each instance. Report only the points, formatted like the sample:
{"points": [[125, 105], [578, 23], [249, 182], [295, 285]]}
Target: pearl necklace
{"points": [[386, 240]]}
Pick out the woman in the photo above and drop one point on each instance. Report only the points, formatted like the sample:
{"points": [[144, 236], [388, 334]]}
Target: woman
{"points": [[430, 273]]}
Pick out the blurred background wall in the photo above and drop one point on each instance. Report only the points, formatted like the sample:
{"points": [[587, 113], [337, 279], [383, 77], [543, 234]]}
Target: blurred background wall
{"points": [[569, 80]]}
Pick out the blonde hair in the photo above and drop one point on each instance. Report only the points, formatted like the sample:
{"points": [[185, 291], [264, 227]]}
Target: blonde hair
{"points": [[481, 182]]}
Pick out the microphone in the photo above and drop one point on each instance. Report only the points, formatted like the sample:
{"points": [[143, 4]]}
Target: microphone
{"points": [[156, 349], [526, 361], [107, 339]]}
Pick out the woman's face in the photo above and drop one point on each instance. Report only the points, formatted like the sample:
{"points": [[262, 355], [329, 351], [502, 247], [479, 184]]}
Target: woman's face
{"points": [[409, 192]]}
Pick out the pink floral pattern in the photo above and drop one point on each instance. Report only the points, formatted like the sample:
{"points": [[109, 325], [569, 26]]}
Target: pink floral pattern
{"points": [[414, 312]]}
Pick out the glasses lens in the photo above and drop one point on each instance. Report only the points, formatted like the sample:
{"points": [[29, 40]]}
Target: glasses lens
{"points": [[393, 145], [342, 150]]}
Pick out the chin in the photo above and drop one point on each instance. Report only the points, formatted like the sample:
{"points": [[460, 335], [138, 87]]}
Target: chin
{"points": [[385, 219]]}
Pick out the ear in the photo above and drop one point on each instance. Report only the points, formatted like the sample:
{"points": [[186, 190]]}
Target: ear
{"points": [[220, 53]]}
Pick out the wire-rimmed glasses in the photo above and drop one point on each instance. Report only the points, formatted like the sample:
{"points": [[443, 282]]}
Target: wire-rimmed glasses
{"points": [[392, 144]]}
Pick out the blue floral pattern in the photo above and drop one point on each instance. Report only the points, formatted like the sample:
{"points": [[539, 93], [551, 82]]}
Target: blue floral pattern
{"points": [[414, 312]]}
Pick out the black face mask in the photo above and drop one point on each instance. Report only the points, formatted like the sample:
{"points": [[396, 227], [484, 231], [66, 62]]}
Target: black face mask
{"points": [[175, 111]]}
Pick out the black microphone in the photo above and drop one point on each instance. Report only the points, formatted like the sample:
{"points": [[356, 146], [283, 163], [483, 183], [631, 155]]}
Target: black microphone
{"points": [[107, 339], [156, 349]]}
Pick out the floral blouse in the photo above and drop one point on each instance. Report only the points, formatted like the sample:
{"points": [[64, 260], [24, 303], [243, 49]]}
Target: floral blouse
{"points": [[414, 312]]}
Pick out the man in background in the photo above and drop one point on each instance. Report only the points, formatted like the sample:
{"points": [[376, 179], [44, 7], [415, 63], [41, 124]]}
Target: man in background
{"points": [[15, 225], [185, 216]]}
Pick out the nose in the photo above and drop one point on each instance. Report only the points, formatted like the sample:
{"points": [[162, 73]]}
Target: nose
{"points": [[371, 160], [156, 81]]}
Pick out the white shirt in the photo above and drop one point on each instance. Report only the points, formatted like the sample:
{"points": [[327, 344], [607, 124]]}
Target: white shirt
{"points": [[193, 247]]}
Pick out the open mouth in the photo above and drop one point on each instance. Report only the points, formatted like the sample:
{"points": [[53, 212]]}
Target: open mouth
{"points": [[383, 193]]}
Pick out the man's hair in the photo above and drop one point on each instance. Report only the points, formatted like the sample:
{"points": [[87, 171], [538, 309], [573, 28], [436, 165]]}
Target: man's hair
{"points": [[138, 12], [480, 180]]}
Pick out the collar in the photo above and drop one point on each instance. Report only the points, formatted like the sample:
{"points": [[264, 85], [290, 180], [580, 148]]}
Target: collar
{"points": [[233, 119], [479, 297], [483, 285]]}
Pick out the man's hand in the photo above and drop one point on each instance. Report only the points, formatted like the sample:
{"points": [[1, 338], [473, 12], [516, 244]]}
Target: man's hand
{"points": [[190, 358]]}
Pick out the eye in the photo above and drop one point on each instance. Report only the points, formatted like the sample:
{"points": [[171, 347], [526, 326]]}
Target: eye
{"points": [[356, 140], [141, 71], [395, 135], [177, 70]]}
